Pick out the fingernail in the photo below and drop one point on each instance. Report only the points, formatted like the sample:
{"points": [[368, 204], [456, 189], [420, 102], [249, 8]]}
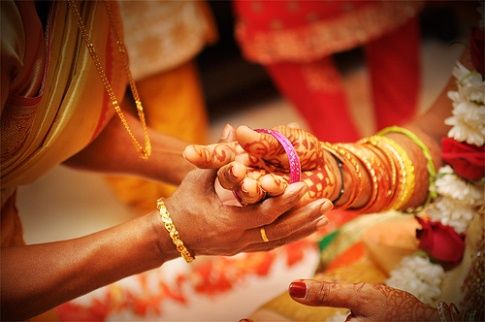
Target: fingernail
{"points": [[295, 187], [226, 133], [231, 171], [326, 206], [297, 289], [322, 222]]}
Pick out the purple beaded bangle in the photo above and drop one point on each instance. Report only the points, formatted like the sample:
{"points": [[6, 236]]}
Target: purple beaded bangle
{"points": [[293, 159]]}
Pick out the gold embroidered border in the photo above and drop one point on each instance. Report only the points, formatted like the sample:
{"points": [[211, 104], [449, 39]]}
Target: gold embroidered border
{"points": [[326, 37]]}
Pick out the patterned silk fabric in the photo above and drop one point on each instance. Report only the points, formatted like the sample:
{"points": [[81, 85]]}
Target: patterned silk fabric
{"points": [[44, 124]]}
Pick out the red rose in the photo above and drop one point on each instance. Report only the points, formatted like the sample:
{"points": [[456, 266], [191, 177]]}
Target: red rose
{"points": [[466, 160], [442, 243]]}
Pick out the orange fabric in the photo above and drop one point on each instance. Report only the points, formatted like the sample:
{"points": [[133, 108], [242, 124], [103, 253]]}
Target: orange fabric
{"points": [[173, 105], [336, 219], [351, 255], [388, 242]]}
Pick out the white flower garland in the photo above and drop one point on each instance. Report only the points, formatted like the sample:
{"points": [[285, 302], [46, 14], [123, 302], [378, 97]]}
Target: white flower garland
{"points": [[417, 275], [457, 199], [449, 185], [468, 107]]}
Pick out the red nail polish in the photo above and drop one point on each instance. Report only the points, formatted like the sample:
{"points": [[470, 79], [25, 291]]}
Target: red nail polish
{"points": [[297, 289]]}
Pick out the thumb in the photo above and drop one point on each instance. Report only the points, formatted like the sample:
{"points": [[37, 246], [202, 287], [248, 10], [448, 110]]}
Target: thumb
{"points": [[201, 180], [320, 293]]}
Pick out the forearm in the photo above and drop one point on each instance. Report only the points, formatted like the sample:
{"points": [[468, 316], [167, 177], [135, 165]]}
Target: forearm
{"points": [[388, 171], [38, 277], [113, 152]]}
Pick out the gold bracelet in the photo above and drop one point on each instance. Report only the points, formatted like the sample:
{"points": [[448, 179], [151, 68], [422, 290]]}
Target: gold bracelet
{"points": [[366, 161], [172, 231], [407, 180], [427, 154], [354, 170]]}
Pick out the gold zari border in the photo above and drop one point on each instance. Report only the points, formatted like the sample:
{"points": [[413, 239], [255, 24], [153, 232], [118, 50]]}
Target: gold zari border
{"points": [[326, 37]]}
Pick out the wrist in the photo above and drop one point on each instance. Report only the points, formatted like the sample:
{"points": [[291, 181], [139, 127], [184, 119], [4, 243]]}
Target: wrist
{"points": [[170, 229], [160, 238]]}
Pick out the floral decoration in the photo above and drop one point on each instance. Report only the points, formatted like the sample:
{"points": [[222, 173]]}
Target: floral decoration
{"points": [[420, 277], [460, 190], [441, 242], [468, 161]]}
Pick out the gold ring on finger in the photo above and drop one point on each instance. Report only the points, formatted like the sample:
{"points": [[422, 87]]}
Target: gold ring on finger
{"points": [[264, 237]]}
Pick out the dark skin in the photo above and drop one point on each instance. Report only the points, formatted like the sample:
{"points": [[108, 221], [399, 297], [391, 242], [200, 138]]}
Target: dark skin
{"points": [[207, 227], [103, 154], [35, 278]]}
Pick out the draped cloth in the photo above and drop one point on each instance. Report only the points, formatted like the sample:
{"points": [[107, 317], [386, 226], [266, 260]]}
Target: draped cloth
{"points": [[163, 39], [295, 41], [53, 102]]}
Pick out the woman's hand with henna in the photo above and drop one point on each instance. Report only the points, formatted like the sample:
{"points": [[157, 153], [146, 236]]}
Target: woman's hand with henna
{"points": [[366, 302], [256, 164]]}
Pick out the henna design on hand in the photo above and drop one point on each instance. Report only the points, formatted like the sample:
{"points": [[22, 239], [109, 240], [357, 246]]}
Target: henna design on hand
{"points": [[367, 302], [260, 155]]}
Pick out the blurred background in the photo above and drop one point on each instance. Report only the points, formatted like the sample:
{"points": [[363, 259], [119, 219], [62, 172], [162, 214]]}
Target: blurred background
{"points": [[66, 203]]}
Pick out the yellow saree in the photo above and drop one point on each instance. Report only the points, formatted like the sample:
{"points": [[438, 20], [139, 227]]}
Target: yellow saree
{"points": [[53, 103]]}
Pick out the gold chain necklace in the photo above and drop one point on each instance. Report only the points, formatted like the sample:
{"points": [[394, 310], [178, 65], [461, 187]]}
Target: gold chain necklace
{"points": [[146, 149]]}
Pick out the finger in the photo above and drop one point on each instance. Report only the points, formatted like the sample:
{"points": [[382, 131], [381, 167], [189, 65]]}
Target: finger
{"points": [[250, 160], [307, 146], [228, 134], [273, 184], [296, 224], [198, 181], [249, 192], [272, 208], [231, 175], [259, 245], [211, 156], [321, 293], [260, 145]]}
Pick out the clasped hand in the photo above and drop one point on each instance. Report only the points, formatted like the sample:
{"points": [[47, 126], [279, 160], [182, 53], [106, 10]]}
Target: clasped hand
{"points": [[210, 227], [254, 165]]}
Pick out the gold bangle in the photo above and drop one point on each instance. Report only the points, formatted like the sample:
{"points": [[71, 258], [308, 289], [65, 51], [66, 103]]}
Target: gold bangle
{"points": [[407, 180], [365, 159], [427, 154], [172, 231], [354, 170]]}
